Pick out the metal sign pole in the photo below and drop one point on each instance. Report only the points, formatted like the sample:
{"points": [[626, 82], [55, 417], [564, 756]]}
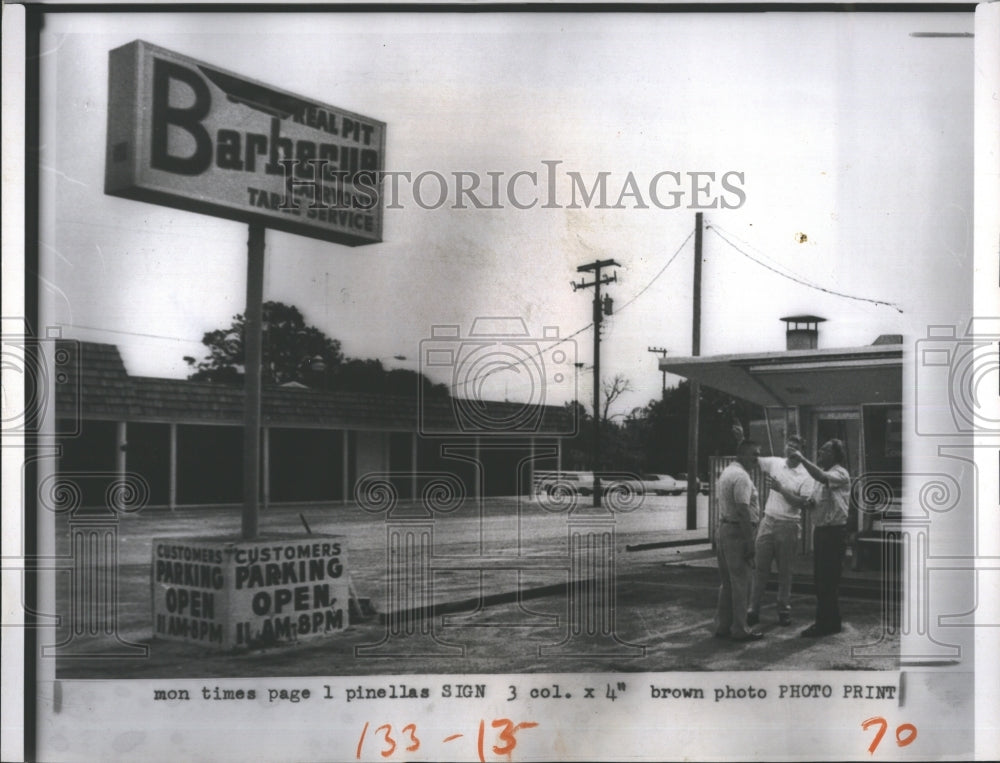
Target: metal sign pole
{"points": [[252, 367]]}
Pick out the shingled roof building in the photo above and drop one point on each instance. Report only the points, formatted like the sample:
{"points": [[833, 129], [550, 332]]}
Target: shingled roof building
{"points": [[185, 438]]}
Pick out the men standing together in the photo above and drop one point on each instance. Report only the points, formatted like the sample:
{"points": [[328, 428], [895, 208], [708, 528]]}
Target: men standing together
{"points": [[746, 552]]}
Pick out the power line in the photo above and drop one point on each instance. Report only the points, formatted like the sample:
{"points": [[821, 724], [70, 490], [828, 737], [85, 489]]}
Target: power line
{"points": [[197, 341], [457, 384], [781, 266], [803, 282], [636, 296], [662, 270], [130, 333]]}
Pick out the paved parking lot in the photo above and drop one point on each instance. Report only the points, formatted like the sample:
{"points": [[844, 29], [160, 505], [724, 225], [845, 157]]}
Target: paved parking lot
{"points": [[498, 617]]}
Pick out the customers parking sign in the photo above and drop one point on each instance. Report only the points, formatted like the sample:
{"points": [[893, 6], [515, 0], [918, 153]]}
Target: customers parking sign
{"points": [[188, 135], [228, 593]]}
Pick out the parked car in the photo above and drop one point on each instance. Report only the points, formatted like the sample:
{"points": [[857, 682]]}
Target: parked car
{"points": [[662, 484], [702, 483], [624, 483], [564, 483]]}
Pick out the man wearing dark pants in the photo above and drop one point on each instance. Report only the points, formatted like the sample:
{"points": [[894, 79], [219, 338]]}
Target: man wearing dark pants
{"points": [[830, 504], [778, 535], [735, 543], [829, 544]]}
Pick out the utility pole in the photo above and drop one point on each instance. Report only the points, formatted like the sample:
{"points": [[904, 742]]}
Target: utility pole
{"points": [[600, 310], [576, 391], [695, 388], [663, 353]]}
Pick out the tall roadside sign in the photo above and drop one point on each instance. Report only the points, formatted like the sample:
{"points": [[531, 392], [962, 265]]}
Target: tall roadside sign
{"points": [[188, 135], [185, 134]]}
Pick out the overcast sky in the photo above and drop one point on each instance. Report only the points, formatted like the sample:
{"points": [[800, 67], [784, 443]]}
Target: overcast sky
{"points": [[852, 139]]}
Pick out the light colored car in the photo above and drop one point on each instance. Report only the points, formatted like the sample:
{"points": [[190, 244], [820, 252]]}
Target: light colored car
{"points": [[702, 484], [564, 483], [662, 484], [582, 483]]}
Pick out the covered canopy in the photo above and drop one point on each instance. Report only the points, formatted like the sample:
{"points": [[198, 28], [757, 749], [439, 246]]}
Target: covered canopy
{"points": [[851, 376]]}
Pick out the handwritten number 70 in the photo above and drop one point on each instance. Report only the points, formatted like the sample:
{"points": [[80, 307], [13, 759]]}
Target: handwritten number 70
{"points": [[905, 733]]}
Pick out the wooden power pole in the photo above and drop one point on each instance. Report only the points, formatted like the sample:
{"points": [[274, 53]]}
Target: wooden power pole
{"points": [[595, 267], [694, 388], [663, 384]]}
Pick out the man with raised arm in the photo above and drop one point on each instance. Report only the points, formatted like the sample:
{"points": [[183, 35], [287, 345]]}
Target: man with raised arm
{"points": [[829, 505], [778, 534]]}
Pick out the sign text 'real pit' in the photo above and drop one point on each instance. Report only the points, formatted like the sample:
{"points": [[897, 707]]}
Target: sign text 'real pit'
{"points": [[185, 134]]}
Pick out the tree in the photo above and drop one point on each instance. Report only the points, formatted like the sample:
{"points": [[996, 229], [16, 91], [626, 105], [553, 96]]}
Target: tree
{"points": [[614, 389], [618, 448], [292, 351], [664, 426], [371, 376]]}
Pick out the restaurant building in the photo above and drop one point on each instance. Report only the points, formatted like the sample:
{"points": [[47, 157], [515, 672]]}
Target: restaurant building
{"points": [[854, 394]]}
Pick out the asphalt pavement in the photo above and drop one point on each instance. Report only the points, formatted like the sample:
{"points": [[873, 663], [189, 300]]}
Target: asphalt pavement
{"points": [[505, 597]]}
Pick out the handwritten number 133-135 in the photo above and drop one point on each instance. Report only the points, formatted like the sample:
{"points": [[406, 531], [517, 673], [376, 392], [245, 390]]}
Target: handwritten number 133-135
{"points": [[410, 742]]}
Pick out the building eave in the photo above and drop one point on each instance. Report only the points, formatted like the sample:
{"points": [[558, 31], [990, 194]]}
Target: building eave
{"points": [[839, 376]]}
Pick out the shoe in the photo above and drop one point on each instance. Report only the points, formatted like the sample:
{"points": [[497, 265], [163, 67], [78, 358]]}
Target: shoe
{"points": [[752, 618], [749, 636], [784, 619]]}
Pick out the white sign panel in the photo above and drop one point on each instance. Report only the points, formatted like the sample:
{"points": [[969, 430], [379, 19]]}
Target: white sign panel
{"points": [[185, 134], [249, 594]]}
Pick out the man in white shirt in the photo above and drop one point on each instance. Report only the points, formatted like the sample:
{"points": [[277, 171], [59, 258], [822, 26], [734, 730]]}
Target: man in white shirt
{"points": [[778, 533], [735, 545]]}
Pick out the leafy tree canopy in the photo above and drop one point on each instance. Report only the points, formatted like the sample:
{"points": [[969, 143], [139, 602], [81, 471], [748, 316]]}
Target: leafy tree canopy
{"points": [[655, 438], [297, 353]]}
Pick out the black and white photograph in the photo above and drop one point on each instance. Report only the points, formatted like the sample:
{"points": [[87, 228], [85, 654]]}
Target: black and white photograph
{"points": [[484, 384]]}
